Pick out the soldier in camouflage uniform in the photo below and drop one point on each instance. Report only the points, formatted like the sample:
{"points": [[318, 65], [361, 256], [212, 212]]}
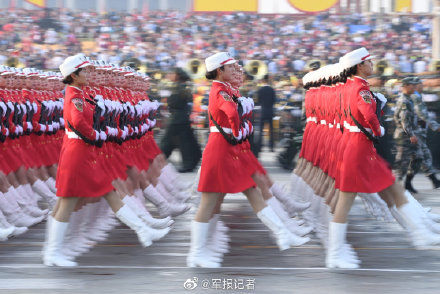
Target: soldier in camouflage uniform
{"points": [[424, 121], [407, 143]]}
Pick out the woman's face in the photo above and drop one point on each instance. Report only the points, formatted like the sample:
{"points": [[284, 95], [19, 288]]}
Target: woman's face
{"points": [[227, 74], [80, 79], [366, 68]]}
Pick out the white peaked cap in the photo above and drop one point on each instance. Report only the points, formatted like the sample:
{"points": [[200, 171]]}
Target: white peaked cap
{"points": [[73, 63], [355, 57], [217, 60]]}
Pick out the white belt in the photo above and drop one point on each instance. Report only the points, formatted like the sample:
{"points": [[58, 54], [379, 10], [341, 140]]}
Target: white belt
{"points": [[72, 135], [323, 122], [312, 118], [338, 125], [214, 129], [330, 125], [346, 124], [355, 129]]}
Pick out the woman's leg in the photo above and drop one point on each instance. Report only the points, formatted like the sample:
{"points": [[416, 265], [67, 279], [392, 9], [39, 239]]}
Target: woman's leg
{"points": [[66, 205], [207, 206]]}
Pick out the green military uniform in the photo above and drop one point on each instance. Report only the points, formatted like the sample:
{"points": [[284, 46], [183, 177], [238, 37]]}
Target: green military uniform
{"points": [[179, 133], [424, 122], [406, 126]]}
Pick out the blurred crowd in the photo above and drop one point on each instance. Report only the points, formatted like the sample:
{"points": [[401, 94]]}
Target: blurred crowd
{"points": [[161, 40]]}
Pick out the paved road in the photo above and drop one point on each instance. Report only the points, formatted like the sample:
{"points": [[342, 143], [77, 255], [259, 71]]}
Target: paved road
{"points": [[254, 265]]}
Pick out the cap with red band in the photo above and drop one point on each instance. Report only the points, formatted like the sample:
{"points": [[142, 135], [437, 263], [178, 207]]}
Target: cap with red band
{"points": [[217, 60], [73, 63], [355, 57]]}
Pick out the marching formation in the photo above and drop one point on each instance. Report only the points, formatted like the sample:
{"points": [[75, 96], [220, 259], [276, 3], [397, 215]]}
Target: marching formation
{"points": [[73, 139], [107, 149], [338, 160], [32, 129]]}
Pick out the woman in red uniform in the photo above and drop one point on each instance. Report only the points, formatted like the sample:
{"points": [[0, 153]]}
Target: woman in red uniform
{"points": [[222, 170], [362, 169], [80, 173]]}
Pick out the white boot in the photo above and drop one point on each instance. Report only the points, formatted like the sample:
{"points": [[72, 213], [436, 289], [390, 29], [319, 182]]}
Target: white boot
{"points": [[290, 223], [145, 234], [216, 240], [143, 213], [198, 255], [14, 213], [398, 217], [6, 229], [336, 250], [41, 189], [284, 238], [288, 201], [51, 184], [34, 200], [171, 173], [419, 233], [165, 208], [180, 195], [27, 203], [55, 237]]}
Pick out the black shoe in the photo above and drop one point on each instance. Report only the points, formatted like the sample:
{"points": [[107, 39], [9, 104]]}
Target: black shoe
{"points": [[434, 180], [185, 170], [408, 184]]}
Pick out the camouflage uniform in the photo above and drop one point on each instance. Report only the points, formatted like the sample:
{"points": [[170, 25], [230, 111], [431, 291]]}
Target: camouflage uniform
{"points": [[406, 125], [424, 121]]}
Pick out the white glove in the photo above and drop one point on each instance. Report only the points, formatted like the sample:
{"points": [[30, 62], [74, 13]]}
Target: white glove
{"points": [[42, 127], [246, 125], [382, 98], [240, 135], [10, 105], [152, 123], [16, 131], [23, 108], [62, 121], [382, 131], [50, 128], [35, 106], [29, 125], [102, 135], [245, 133], [96, 135], [7, 132]]}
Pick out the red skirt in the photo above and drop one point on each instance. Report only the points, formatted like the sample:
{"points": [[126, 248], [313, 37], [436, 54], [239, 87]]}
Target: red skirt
{"points": [[362, 169], [222, 168], [80, 171]]}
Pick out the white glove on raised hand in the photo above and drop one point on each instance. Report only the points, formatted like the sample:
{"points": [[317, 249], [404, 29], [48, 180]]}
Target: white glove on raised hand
{"points": [[382, 131]]}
